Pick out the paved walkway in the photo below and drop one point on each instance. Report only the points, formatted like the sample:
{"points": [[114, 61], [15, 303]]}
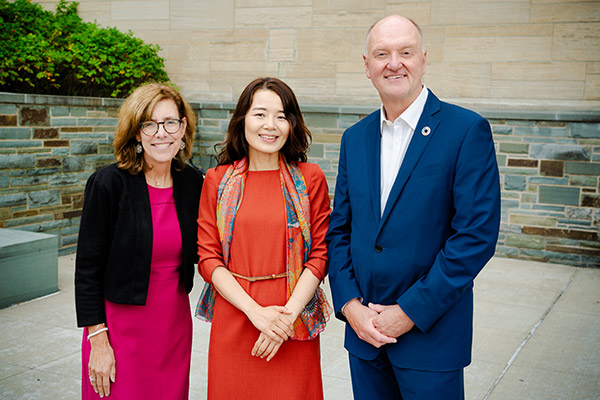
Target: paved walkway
{"points": [[537, 336]]}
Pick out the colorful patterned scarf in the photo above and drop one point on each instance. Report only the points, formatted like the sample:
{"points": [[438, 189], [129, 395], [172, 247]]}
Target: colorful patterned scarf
{"points": [[313, 318]]}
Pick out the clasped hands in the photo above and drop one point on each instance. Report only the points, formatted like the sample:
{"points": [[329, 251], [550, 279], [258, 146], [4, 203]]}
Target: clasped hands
{"points": [[377, 324], [275, 324]]}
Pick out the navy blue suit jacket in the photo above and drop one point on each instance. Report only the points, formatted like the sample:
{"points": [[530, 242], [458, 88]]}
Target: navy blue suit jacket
{"points": [[438, 230]]}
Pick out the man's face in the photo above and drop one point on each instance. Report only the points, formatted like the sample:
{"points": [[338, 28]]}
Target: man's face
{"points": [[395, 61]]}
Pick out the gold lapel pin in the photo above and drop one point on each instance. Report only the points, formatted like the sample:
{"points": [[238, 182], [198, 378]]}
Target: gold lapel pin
{"points": [[426, 131]]}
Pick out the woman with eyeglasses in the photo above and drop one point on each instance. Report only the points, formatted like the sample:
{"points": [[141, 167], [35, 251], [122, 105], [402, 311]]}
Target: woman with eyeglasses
{"points": [[136, 253], [263, 217]]}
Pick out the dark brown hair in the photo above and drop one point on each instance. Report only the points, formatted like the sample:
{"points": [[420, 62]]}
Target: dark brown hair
{"points": [[235, 145], [138, 108]]}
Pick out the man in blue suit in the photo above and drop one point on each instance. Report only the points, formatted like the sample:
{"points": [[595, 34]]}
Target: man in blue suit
{"points": [[415, 218]]}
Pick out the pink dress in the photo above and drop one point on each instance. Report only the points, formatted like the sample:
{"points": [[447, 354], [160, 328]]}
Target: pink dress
{"points": [[152, 343]]}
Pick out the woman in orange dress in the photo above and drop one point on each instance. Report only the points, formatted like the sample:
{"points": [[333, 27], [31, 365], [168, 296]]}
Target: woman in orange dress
{"points": [[263, 217]]}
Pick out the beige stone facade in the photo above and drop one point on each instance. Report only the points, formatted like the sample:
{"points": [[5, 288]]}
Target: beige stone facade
{"points": [[489, 53]]}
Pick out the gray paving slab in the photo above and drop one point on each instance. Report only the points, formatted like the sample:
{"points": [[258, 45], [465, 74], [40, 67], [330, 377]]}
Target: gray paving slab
{"points": [[35, 384], [521, 383], [536, 336], [7, 370], [480, 376]]}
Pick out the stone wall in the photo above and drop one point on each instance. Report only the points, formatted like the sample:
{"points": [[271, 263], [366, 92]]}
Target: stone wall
{"points": [[49, 146], [519, 53], [549, 164]]}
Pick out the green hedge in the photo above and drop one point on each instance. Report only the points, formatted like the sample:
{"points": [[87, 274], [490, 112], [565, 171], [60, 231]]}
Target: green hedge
{"points": [[46, 53]]}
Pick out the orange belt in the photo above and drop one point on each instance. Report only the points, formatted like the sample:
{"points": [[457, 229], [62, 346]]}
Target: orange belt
{"points": [[259, 278]]}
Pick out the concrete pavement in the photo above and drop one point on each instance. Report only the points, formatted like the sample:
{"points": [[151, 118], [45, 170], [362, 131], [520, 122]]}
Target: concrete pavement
{"points": [[537, 336]]}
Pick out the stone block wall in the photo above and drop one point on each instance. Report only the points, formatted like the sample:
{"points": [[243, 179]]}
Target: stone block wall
{"points": [[49, 146], [549, 165], [550, 169], [520, 53]]}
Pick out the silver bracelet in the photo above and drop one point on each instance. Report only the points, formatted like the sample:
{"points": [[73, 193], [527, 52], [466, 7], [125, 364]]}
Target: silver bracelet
{"points": [[96, 333]]}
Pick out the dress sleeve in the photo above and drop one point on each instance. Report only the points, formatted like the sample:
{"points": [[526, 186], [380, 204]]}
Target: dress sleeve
{"points": [[209, 245], [318, 193]]}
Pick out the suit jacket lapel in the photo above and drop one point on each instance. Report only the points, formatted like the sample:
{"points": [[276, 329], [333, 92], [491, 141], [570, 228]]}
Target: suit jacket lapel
{"points": [[372, 146], [417, 146]]}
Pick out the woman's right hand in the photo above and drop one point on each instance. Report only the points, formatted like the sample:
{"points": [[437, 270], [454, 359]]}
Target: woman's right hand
{"points": [[102, 367], [266, 347], [273, 321]]}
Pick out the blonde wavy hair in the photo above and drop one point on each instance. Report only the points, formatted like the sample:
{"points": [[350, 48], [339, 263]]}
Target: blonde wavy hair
{"points": [[138, 108]]}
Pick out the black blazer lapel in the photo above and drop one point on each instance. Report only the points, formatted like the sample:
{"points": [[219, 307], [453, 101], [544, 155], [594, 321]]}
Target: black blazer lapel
{"points": [[426, 128]]}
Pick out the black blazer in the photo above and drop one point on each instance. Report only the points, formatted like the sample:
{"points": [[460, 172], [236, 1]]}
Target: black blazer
{"points": [[114, 247]]}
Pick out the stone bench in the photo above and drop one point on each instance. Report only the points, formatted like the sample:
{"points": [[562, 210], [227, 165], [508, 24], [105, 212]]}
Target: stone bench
{"points": [[28, 265]]}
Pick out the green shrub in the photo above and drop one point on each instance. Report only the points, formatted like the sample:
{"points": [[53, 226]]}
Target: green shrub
{"points": [[46, 53]]}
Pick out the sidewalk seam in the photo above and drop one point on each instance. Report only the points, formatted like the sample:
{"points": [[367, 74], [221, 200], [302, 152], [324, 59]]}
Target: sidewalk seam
{"points": [[529, 336]]}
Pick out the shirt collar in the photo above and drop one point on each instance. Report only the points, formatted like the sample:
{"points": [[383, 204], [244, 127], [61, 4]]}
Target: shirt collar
{"points": [[412, 114]]}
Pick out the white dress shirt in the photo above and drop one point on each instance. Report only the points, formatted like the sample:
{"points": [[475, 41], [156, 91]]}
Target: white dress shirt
{"points": [[395, 138]]}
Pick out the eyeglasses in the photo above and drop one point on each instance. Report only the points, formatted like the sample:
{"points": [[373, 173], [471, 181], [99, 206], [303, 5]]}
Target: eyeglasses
{"points": [[150, 128]]}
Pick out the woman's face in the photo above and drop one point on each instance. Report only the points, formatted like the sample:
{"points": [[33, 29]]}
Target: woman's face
{"points": [[162, 147], [266, 127]]}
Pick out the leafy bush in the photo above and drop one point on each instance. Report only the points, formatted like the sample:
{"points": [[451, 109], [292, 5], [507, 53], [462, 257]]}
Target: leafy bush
{"points": [[46, 53]]}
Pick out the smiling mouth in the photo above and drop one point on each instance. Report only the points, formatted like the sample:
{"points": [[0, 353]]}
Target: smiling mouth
{"points": [[395, 77], [161, 145], [268, 137]]}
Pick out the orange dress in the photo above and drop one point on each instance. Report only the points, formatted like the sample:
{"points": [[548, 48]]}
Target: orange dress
{"points": [[258, 248]]}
